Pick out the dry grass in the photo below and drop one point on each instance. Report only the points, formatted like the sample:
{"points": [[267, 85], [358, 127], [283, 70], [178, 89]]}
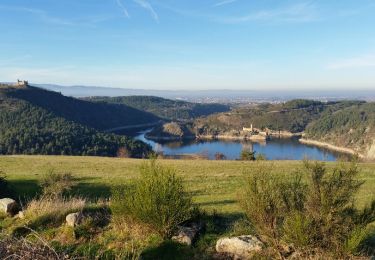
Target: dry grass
{"points": [[130, 237], [11, 248], [53, 208]]}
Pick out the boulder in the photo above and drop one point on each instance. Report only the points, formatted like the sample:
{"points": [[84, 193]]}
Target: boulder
{"points": [[241, 247], [9, 206], [187, 234], [74, 219]]}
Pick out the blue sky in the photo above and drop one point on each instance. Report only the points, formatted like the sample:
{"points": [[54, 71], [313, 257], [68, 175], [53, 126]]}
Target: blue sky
{"points": [[190, 44]]}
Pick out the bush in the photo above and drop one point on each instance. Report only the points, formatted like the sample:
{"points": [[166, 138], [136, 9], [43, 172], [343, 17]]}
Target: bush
{"points": [[267, 198], [158, 198], [247, 155], [261, 157], [220, 156], [55, 184], [319, 215]]}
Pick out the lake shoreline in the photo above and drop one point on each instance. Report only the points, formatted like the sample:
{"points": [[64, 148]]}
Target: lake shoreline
{"points": [[331, 147]]}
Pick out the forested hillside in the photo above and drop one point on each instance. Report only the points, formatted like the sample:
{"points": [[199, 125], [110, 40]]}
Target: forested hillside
{"points": [[165, 108], [351, 127], [97, 115], [29, 129], [292, 116]]}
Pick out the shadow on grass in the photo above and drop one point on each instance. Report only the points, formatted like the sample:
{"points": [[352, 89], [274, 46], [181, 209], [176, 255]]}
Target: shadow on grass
{"points": [[24, 190], [216, 226], [168, 250], [213, 203]]}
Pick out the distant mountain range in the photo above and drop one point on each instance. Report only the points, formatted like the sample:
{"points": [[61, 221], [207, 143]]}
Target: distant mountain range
{"points": [[218, 95]]}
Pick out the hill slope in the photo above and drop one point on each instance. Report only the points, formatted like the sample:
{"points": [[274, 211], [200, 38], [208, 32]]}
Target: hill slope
{"points": [[30, 129], [97, 115], [351, 127], [292, 116], [165, 108]]}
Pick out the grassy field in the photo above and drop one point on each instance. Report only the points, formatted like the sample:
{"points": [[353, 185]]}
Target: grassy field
{"points": [[214, 184]]}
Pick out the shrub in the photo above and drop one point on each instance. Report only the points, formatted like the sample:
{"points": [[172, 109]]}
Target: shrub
{"points": [[55, 184], [247, 155], [220, 156], [319, 215], [157, 198], [261, 157], [267, 198]]}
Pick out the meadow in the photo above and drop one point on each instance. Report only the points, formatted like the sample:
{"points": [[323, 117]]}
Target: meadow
{"points": [[213, 184]]}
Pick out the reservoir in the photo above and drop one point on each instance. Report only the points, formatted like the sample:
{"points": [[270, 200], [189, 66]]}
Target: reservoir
{"points": [[274, 149]]}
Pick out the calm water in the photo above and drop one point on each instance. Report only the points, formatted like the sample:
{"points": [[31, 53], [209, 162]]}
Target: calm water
{"points": [[275, 149]]}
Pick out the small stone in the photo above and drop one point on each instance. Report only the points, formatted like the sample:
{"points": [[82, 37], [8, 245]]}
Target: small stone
{"points": [[187, 234], [20, 215], [74, 219], [241, 247], [8, 206]]}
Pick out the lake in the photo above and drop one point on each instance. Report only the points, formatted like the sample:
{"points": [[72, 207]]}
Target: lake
{"points": [[274, 149]]}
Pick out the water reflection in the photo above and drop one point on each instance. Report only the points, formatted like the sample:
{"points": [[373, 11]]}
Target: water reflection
{"points": [[274, 149]]}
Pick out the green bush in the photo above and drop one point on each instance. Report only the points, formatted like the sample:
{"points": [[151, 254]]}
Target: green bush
{"points": [[157, 198], [267, 198], [261, 157], [317, 215], [247, 156], [55, 184]]}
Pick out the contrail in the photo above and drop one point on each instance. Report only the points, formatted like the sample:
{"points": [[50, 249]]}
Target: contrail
{"points": [[225, 2], [123, 8], [146, 5]]}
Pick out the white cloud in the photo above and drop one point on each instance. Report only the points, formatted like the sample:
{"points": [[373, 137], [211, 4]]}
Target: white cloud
{"points": [[146, 5], [224, 2], [302, 12], [46, 17], [123, 8], [354, 62]]}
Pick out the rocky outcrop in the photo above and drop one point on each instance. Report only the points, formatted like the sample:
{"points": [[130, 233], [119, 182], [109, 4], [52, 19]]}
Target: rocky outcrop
{"points": [[9, 206], [74, 219], [241, 247], [170, 131], [187, 234]]}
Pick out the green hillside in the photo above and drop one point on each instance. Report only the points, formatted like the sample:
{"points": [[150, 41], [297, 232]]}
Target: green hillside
{"points": [[165, 108], [351, 127], [292, 116], [27, 128], [97, 115]]}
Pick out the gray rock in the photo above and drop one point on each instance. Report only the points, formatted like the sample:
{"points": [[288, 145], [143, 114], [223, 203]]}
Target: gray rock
{"points": [[187, 234], [9, 206], [74, 219], [242, 247]]}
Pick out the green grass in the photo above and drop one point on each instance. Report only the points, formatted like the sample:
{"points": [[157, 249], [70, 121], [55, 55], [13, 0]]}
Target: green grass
{"points": [[214, 184]]}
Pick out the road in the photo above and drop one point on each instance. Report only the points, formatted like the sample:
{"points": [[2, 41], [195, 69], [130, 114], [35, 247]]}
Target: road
{"points": [[132, 126]]}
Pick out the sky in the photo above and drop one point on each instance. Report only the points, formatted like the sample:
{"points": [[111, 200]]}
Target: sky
{"points": [[190, 44]]}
